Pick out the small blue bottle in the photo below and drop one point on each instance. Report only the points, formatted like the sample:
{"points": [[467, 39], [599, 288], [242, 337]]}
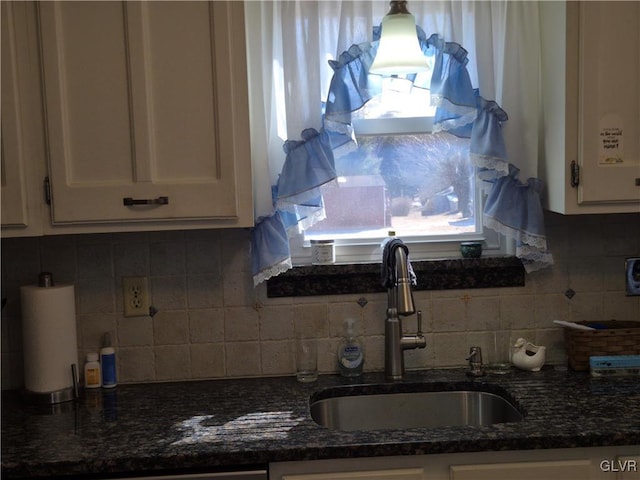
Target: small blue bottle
{"points": [[108, 363]]}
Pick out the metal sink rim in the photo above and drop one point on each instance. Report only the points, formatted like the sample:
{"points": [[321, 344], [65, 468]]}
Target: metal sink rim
{"points": [[509, 411]]}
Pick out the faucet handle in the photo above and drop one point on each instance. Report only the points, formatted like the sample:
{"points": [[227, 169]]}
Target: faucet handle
{"points": [[475, 362], [475, 355]]}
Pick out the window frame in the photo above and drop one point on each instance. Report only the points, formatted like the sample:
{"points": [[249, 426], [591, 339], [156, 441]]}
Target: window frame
{"points": [[361, 250], [421, 248], [427, 247]]}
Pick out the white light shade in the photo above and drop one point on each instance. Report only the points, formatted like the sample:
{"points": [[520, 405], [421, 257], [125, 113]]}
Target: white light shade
{"points": [[399, 50]]}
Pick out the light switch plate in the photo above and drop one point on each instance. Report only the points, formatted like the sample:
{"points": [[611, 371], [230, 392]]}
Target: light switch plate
{"points": [[632, 275]]}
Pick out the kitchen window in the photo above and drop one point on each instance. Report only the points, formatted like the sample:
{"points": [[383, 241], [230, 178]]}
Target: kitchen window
{"points": [[403, 178], [310, 89]]}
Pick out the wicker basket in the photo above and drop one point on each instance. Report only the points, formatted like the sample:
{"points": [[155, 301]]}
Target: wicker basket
{"points": [[619, 338]]}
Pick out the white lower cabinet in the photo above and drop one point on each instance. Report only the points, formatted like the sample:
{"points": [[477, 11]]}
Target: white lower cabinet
{"points": [[549, 470], [627, 467], [390, 474], [232, 475], [596, 463]]}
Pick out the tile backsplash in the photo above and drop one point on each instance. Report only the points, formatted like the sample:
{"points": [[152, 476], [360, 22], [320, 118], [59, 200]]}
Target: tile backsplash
{"points": [[211, 322]]}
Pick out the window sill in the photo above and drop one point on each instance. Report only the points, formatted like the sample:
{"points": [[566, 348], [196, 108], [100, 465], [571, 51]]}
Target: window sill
{"points": [[459, 273]]}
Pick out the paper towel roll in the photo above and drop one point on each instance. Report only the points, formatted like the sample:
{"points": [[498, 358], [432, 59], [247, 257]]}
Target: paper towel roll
{"points": [[49, 337]]}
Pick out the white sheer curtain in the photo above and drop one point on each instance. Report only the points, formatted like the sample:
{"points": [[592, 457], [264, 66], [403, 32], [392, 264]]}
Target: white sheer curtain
{"points": [[290, 43]]}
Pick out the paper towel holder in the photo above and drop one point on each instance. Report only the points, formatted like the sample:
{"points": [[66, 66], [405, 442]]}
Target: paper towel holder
{"points": [[45, 280], [58, 396]]}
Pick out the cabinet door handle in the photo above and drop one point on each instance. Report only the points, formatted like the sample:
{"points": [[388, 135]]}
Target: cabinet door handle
{"points": [[575, 174], [129, 202]]}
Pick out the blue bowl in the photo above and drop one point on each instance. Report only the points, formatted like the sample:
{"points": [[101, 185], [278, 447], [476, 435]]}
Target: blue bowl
{"points": [[471, 249]]}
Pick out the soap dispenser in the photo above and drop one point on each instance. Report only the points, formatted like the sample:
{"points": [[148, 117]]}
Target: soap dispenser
{"points": [[350, 353]]}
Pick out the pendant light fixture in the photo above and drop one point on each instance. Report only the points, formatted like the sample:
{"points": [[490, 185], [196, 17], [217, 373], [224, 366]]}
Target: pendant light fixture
{"points": [[399, 50]]}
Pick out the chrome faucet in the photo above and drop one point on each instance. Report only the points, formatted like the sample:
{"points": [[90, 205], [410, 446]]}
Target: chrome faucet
{"points": [[400, 302]]}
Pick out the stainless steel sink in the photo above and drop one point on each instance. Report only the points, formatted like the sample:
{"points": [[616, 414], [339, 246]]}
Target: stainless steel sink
{"points": [[390, 411]]}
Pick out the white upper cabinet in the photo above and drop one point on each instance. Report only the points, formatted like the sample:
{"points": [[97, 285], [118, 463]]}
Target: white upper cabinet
{"points": [[146, 113], [591, 75], [21, 178], [14, 190]]}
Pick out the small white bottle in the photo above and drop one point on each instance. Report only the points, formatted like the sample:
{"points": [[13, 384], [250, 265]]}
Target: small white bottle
{"points": [[350, 353], [92, 372]]}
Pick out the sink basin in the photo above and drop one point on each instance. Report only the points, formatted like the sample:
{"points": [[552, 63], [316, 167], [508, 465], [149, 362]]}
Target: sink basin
{"points": [[388, 411]]}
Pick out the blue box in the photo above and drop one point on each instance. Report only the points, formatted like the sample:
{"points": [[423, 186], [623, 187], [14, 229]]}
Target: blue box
{"points": [[614, 365], [615, 361]]}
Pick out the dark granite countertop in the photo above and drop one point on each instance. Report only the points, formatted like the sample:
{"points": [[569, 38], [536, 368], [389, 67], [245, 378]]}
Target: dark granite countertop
{"points": [[225, 424]]}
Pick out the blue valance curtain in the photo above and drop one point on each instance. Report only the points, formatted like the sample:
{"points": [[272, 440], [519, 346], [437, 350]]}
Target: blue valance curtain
{"points": [[512, 208]]}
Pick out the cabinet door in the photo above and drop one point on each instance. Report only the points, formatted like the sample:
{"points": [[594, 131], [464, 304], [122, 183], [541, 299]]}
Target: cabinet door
{"points": [[609, 127], [14, 192], [390, 474], [627, 467], [21, 148], [550, 470], [146, 101]]}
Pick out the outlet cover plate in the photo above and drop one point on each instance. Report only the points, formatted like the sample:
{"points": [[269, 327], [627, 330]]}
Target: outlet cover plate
{"points": [[135, 294]]}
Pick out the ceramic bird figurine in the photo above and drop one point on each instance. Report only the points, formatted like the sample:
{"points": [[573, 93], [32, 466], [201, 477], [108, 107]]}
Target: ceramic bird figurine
{"points": [[527, 356]]}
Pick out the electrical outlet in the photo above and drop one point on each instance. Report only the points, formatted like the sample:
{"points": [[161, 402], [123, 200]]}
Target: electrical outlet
{"points": [[136, 296]]}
